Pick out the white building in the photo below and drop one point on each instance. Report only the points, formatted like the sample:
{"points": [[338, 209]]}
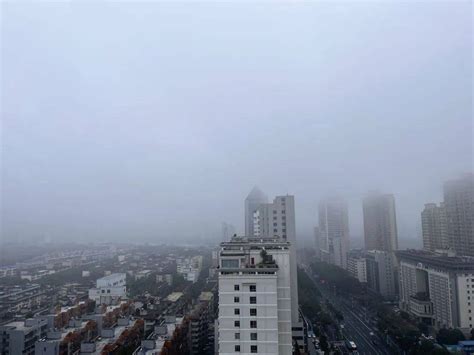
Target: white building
{"points": [[381, 273], [357, 266], [109, 289], [254, 297], [190, 268], [254, 199], [437, 288]]}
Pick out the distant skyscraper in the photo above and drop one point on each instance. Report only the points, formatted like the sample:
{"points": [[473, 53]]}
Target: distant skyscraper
{"points": [[254, 199], [459, 205], [334, 230], [433, 224], [380, 222]]}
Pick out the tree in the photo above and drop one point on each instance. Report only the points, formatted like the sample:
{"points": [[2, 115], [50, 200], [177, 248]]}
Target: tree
{"points": [[449, 336]]}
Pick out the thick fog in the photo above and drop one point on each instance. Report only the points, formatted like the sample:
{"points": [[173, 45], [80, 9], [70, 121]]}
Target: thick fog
{"points": [[152, 121]]}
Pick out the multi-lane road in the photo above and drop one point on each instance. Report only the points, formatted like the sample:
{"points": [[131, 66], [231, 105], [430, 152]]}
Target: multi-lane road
{"points": [[357, 325]]}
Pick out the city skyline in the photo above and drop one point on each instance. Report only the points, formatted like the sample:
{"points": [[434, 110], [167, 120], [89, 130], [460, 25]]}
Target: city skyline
{"points": [[153, 124]]}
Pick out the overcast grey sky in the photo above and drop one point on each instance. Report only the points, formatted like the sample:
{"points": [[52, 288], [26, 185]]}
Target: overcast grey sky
{"points": [[152, 121]]}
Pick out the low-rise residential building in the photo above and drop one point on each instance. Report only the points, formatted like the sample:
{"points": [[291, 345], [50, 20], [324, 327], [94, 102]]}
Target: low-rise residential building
{"points": [[437, 288], [109, 289]]}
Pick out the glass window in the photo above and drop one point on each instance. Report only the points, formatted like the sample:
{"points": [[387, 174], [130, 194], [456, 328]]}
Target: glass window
{"points": [[253, 311], [253, 324], [236, 299], [236, 287], [236, 311], [253, 336], [253, 288], [253, 349], [233, 263], [237, 323], [237, 348], [253, 300], [237, 336]]}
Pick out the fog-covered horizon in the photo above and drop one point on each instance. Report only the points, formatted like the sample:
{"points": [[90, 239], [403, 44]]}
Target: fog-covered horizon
{"points": [[152, 121]]}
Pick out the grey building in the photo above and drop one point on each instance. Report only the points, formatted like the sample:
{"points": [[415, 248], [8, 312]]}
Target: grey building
{"points": [[459, 206], [19, 337], [437, 288], [254, 199], [381, 273], [334, 230], [380, 222], [433, 224]]}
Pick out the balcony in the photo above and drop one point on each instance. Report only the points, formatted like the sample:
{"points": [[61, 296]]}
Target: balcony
{"points": [[421, 305]]}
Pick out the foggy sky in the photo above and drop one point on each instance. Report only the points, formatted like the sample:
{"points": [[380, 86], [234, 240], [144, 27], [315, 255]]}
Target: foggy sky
{"points": [[152, 121]]}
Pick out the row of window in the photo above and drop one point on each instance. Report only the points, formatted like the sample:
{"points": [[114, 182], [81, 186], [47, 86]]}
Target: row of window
{"points": [[282, 217], [253, 324], [252, 299], [253, 349], [282, 211], [253, 336], [252, 288], [253, 311]]}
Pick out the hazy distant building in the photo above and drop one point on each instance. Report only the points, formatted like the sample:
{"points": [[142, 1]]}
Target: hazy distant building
{"points": [[228, 230], [437, 288], [459, 206], [254, 297], [334, 230], [381, 274], [380, 223], [254, 199], [433, 224], [317, 242]]}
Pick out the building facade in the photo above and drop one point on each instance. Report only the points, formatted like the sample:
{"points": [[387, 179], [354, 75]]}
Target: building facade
{"points": [[459, 207], [334, 230], [19, 337], [433, 224], [109, 289], [255, 297], [357, 266], [254, 199], [380, 222], [438, 288], [381, 277]]}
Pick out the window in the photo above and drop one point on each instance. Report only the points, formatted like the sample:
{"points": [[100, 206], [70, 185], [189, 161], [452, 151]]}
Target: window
{"points": [[274, 211], [284, 235], [236, 311], [275, 230], [108, 291], [236, 288], [283, 211], [284, 230], [253, 349], [103, 291], [283, 218], [274, 218], [469, 311], [275, 224], [253, 311], [237, 323], [237, 348], [236, 299], [253, 300], [234, 263], [253, 288], [237, 336], [253, 336], [253, 324], [284, 224]]}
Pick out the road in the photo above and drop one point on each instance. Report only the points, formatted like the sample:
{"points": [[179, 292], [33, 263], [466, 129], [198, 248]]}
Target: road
{"points": [[356, 322]]}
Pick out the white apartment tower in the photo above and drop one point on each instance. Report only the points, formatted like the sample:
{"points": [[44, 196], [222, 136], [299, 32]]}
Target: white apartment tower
{"points": [[254, 199], [334, 230], [254, 297]]}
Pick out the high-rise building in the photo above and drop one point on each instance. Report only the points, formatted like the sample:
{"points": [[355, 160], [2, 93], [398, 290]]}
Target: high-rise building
{"points": [[357, 265], [433, 224], [254, 296], [254, 199], [228, 230], [459, 206], [334, 230], [380, 223], [277, 219], [436, 288]]}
